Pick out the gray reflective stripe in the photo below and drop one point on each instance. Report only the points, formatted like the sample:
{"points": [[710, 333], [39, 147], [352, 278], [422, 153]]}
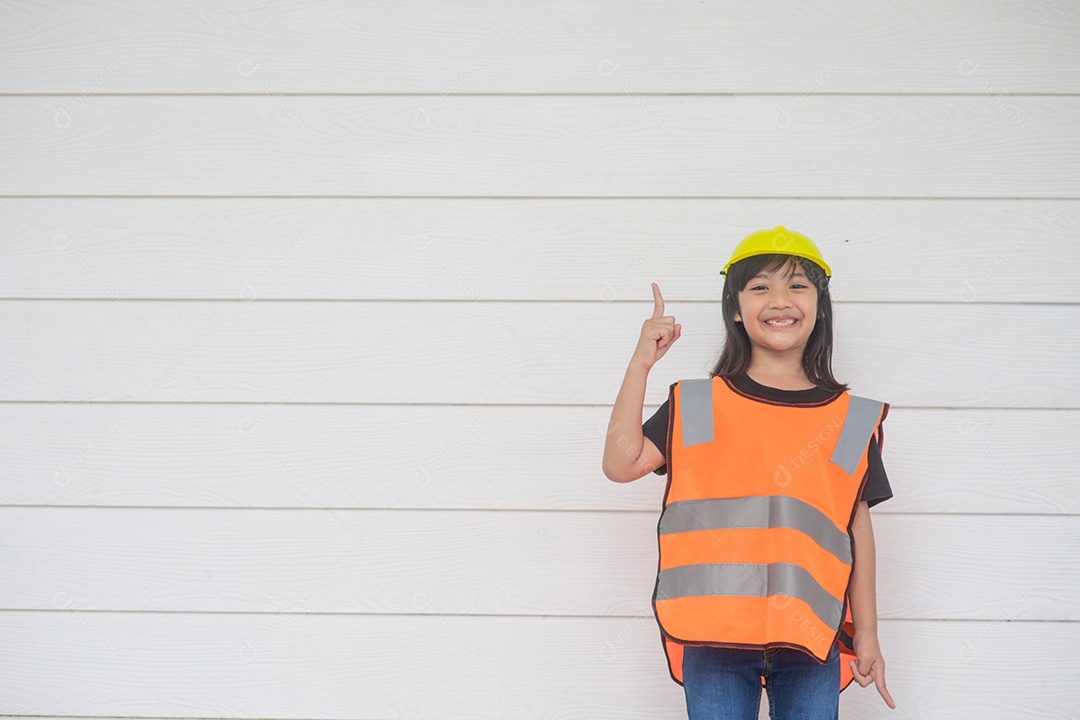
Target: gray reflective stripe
{"points": [[756, 511], [696, 411], [861, 420], [752, 580]]}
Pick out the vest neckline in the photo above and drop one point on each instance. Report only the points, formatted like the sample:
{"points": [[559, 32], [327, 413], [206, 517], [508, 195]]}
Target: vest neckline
{"points": [[746, 386]]}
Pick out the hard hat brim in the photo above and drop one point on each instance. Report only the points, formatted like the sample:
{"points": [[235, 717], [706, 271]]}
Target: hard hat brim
{"points": [[817, 261], [777, 241]]}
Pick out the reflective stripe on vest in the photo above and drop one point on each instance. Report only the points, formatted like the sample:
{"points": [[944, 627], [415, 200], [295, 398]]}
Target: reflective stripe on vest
{"points": [[760, 511], [752, 581], [862, 419], [696, 411], [755, 550]]}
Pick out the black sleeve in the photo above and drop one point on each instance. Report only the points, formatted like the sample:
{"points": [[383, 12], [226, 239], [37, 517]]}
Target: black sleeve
{"points": [[877, 488], [656, 429]]}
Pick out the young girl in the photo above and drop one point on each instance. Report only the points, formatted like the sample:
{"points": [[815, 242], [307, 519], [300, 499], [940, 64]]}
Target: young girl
{"points": [[766, 572]]}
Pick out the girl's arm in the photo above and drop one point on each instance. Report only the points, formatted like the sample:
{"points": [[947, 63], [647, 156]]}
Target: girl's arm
{"points": [[869, 665], [627, 454], [863, 593]]}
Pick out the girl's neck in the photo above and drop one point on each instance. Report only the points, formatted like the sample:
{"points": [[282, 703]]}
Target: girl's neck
{"points": [[781, 378]]}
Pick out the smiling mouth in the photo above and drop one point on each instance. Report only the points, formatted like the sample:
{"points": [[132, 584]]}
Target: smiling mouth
{"points": [[784, 325]]}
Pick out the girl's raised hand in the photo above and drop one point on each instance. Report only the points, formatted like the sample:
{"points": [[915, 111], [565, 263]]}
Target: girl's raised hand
{"points": [[658, 333]]}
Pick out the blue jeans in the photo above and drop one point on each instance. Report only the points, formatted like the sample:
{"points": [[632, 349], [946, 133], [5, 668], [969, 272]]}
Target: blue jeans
{"points": [[725, 683]]}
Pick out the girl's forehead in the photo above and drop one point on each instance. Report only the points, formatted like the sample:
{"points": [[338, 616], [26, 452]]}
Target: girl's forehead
{"points": [[784, 270]]}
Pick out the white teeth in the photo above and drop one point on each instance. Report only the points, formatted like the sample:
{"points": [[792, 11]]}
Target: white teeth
{"points": [[780, 322]]}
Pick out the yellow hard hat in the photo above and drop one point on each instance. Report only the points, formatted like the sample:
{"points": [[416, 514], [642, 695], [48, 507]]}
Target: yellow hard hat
{"points": [[777, 240]]}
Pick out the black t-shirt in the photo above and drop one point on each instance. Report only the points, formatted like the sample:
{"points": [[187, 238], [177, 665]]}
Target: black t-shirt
{"points": [[876, 489]]}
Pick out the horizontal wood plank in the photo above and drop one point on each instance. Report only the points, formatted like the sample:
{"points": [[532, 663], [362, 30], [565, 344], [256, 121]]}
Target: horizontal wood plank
{"points": [[472, 457], [869, 146], [558, 46], [524, 249], [967, 355], [958, 567], [443, 666]]}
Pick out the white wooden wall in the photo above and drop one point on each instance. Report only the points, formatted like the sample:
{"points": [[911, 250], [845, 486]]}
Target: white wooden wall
{"points": [[313, 314]]}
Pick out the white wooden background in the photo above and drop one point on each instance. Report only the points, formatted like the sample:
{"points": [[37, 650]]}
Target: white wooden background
{"points": [[313, 315]]}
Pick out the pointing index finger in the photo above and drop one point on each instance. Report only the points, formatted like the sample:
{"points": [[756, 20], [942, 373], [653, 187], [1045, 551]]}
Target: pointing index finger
{"points": [[658, 302], [879, 680]]}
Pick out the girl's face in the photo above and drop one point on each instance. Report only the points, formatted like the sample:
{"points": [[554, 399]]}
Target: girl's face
{"points": [[778, 312]]}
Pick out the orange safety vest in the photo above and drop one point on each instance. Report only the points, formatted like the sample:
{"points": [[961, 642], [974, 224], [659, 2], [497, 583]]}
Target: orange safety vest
{"points": [[756, 549]]}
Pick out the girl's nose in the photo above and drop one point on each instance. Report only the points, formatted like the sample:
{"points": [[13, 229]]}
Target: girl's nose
{"points": [[779, 299]]}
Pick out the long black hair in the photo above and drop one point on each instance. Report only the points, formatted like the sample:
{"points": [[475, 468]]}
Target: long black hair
{"points": [[817, 355]]}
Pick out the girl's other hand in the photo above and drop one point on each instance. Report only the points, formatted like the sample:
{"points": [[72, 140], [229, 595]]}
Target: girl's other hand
{"points": [[658, 333], [869, 667]]}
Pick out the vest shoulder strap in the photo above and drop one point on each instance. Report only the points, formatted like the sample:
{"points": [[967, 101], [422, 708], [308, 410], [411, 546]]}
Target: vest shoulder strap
{"points": [[863, 417]]}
